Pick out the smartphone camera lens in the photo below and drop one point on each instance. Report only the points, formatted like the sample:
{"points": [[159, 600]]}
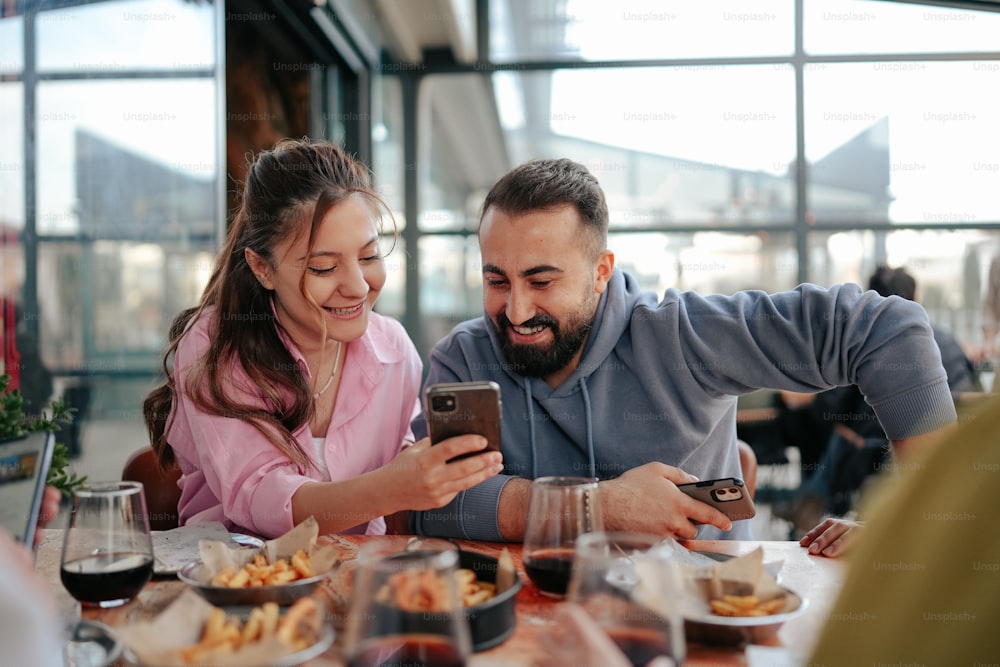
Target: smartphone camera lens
{"points": [[443, 403]]}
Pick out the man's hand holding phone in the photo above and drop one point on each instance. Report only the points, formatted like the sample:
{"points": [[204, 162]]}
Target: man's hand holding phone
{"points": [[729, 495], [647, 499]]}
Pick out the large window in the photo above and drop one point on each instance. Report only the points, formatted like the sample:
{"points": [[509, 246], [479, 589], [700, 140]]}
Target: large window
{"points": [[741, 145], [115, 195]]}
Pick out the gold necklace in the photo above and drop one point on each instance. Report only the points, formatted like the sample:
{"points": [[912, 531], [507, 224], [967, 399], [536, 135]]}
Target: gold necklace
{"points": [[336, 362]]}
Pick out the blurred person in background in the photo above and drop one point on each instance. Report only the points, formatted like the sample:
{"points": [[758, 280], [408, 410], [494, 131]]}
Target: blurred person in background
{"points": [[857, 450], [991, 316]]}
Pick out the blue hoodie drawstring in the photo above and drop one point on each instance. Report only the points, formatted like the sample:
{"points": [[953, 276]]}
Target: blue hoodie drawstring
{"points": [[590, 428], [531, 427]]}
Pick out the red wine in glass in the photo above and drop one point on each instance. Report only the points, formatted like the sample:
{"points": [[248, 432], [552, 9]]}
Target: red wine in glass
{"points": [[106, 579], [550, 569], [410, 650], [640, 645]]}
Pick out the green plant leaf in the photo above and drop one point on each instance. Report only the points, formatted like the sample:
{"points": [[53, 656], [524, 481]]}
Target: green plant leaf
{"points": [[14, 424]]}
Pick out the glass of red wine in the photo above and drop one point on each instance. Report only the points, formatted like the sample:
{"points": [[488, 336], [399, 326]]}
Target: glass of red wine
{"points": [[633, 591], [560, 509], [406, 608], [107, 554]]}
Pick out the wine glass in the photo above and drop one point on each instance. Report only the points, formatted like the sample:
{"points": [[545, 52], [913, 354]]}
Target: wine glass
{"points": [[560, 509], [107, 554], [406, 609], [632, 592]]}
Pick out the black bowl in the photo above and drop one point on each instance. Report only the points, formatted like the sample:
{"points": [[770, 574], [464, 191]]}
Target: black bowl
{"points": [[490, 623]]}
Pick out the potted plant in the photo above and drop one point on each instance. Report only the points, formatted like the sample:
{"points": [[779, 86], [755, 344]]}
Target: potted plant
{"points": [[14, 423]]}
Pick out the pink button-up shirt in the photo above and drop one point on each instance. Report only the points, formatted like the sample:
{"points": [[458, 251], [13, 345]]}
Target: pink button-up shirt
{"points": [[233, 474]]}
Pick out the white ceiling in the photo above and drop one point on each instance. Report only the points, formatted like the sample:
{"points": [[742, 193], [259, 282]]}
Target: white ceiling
{"points": [[467, 123], [415, 25]]}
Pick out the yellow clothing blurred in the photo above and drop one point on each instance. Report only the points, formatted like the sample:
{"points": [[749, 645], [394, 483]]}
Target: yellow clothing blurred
{"points": [[923, 584]]}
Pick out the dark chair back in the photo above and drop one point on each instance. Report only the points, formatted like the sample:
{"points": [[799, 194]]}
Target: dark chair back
{"points": [[162, 492]]}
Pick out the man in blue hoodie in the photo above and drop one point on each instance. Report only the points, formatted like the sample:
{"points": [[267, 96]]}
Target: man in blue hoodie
{"points": [[600, 378]]}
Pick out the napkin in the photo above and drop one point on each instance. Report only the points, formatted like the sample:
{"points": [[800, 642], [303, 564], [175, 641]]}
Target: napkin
{"points": [[173, 549], [506, 571], [216, 556]]}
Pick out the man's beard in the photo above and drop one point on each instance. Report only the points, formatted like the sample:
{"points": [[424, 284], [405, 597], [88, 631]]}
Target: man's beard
{"points": [[537, 360]]}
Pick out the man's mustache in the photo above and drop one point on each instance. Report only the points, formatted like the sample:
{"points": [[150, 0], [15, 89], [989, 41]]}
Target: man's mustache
{"points": [[536, 321]]}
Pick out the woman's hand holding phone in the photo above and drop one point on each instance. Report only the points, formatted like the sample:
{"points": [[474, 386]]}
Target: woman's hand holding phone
{"points": [[426, 477], [459, 408]]}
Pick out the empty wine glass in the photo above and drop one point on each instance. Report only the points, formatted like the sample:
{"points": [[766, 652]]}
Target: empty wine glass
{"points": [[406, 609], [107, 554]]}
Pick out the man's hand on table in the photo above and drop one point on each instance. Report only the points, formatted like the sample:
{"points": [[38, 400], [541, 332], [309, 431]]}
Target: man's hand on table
{"points": [[646, 499]]}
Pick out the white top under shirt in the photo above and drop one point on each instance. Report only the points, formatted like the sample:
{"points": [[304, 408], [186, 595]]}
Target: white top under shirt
{"points": [[320, 445]]}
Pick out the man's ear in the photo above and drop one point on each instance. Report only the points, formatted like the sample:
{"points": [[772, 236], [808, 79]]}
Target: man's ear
{"points": [[261, 269], [605, 267]]}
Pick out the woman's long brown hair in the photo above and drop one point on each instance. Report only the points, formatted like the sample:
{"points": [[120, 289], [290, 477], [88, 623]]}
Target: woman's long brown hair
{"points": [[288, 191]]}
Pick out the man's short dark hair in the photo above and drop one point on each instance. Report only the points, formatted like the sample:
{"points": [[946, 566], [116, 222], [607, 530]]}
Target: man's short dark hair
{"points": [[550, 183], [888, 281]]}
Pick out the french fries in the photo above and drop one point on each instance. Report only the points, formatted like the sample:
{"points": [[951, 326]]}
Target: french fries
{"points": [[471, 590], [745, 605], [259, 572], [422, 590], [223, 634]]}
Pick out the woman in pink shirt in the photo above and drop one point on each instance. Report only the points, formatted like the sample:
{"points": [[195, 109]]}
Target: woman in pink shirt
{"points": [[286, 395]]}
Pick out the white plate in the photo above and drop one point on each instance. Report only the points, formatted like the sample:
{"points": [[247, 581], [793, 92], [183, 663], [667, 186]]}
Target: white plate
{"points": [[709, 628], [324, 642]]}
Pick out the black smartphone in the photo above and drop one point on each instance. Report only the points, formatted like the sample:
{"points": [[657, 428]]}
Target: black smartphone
{"points": [[24, 469], [729, 495], [458, 408]]}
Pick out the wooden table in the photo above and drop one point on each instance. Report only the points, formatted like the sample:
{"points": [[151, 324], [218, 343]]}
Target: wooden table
{"points": [[816, 578]]}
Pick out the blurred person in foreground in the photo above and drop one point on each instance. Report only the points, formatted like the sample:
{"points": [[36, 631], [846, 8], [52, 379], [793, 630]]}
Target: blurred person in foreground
{"points": [[286, 395], [30, 626], [600, 378], [923, 579]]}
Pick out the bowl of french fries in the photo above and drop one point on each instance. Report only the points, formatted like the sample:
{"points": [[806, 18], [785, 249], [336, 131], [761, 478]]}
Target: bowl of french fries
{"points": [[191, 631], [283, 570], [738, 601], [487, 585], [743, 619], [282, 581]]}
